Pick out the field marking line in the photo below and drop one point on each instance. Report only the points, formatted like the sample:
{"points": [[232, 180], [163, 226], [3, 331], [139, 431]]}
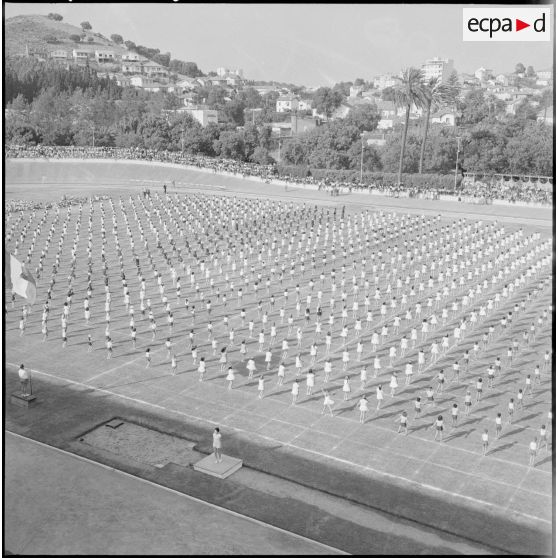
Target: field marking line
{"points": [[111, 370], [182, 494], [122, 365], [288, 444], [425, 461], [518, 487], [428, 486]]}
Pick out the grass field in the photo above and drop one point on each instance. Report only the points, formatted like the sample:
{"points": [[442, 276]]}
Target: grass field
{"points": [[501, 482]]}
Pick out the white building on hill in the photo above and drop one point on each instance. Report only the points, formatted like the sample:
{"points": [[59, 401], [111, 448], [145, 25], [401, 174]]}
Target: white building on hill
{"points": [[59, 55], [104, 56], [130, 57], [482, 74], [384, 80], [80, 56], [151, 68], [131, 67], [446, 118], [203, 116], [286, 103], [142, 81], [437, 68]]}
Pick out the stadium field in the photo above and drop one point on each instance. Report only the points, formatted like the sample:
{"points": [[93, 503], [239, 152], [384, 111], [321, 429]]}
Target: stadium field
{"points": [[500, 485]]}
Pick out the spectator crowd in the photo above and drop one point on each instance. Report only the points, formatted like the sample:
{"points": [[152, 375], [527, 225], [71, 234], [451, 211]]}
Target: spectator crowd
{"points": [[482, 191], [509, 190]]}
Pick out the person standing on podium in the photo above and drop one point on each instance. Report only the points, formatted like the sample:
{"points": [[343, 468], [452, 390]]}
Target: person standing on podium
{"points": [[24, 380], [217, 445]]}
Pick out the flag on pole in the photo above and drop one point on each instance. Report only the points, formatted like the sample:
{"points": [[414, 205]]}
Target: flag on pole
{"points": [[19, 279]]}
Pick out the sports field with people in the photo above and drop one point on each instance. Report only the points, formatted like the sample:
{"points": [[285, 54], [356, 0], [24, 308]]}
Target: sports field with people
{"points": [[329, 293]]}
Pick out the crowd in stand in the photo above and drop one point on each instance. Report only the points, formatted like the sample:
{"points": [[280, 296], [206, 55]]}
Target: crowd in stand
{"points": [[217, 165], [511, 190], [479, 191]]}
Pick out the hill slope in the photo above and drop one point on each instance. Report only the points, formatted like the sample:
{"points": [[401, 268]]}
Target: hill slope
{"points": [[33, 30]]}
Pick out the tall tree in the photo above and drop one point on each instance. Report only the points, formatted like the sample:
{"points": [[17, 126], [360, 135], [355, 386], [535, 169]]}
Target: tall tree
{"points": [[364, 117], [530, 72], [436, 95], [326, 100], [407, 92], [453, 89], [163, 59]]}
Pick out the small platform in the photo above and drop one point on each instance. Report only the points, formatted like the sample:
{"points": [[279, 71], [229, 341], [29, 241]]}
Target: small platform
{"points": [[21, 400], [222, 470]]}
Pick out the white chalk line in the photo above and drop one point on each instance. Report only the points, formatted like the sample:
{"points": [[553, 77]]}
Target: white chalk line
{"points": [[288, 444], [122, 365]]}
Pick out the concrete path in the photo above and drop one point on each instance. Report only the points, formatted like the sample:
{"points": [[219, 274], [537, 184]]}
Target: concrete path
{"points": [[57, 503]]}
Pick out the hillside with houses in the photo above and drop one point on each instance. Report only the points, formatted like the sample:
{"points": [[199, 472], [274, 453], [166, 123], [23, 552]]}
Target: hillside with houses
{"points": [[363, 116]]}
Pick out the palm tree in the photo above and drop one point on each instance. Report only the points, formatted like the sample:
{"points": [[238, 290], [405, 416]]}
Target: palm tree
{"points": [[407, 93], [436, 94]]}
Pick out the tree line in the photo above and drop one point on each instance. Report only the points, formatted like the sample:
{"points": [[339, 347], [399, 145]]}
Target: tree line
{"points": [[490, 139], [49, 104]]}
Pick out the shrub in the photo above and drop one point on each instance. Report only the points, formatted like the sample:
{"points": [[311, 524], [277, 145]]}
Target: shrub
{"points": [[292, 170], [419, 181]]}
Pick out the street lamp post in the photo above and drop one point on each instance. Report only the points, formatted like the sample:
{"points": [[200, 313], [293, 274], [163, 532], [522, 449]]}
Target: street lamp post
{"points": [[361, 158], [458, 138]]}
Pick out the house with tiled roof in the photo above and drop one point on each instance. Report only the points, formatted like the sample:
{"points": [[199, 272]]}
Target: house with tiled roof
{"points": [[131, 67], [445, 117], [151, 68], [286, 103]]}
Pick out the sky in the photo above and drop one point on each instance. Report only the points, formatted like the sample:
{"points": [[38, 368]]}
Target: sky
{"points": [[305, 44]]}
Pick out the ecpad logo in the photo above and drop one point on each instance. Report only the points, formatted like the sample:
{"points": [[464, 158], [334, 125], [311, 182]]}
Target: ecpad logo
{"points": [[507, 24], [493, 25]]}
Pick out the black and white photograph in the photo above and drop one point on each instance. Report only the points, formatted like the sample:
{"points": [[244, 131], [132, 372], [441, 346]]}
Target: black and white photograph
{"points": [[279, 278]]}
